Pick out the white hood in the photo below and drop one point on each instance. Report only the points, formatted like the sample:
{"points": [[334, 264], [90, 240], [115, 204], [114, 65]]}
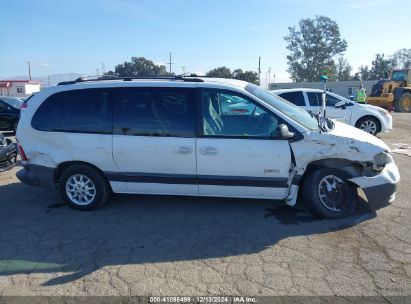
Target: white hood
{"points": [[347, 131], [343, 142]]}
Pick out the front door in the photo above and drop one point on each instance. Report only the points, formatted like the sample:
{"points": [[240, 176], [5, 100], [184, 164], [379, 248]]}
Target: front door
{"points": [[238, 154], [154, 141], [342, 114]]}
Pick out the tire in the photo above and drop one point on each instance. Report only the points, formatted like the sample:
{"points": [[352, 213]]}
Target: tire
{"points": [[369, 124], [404, 103], [83, 187], [340, 203]]}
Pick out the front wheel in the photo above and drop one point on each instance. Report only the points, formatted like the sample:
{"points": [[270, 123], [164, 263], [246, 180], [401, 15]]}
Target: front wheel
{"points": [[369, 124], [327, 194], [83, 188]]}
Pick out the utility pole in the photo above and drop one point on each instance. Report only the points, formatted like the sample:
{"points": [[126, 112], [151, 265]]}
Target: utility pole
{"points": [[97, 72], [259, 69], [170, 63], [103, 68], [269, 78], [28, 62], [48, 80], [183, 67]]}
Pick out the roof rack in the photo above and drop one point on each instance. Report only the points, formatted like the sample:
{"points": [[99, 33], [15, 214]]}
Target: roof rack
{"points": [[188, 78]]}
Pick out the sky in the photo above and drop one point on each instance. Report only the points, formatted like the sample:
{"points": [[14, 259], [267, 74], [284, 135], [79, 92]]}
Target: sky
{"points": [[75, 36]]}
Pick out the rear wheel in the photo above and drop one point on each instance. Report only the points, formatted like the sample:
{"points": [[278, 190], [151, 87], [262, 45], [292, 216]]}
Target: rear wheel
{"points": [[404, 103], [83, 188], [369, 124], [327, 194]]}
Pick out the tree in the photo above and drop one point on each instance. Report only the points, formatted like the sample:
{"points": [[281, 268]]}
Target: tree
{"points": [[365, 72], [249, 76], [312, 46], [139, 67], [343, 70], [224, 72], [221, 72], [401, 59], [381, 67], [357, 76]]}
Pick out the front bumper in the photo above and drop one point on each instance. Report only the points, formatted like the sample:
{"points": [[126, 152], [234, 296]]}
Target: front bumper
{"points": [[8, 156], [386, 123], [380, 189]]}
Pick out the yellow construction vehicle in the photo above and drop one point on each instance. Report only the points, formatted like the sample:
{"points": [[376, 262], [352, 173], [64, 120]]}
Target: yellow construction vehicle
{"points": [[393, 93]]}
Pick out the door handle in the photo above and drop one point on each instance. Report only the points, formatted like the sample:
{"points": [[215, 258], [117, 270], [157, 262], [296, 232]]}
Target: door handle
{"points": [[183, 149], [208, 150]]}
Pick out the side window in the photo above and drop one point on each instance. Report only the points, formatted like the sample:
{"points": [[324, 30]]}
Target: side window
{"points": [[296, 98], [155, 112], [315, 99], [3, 107], [79, 111], [244, 118], [330, 101]]}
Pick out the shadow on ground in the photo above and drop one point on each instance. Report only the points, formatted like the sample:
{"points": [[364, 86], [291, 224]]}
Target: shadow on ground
{"points": [[40, 234]]}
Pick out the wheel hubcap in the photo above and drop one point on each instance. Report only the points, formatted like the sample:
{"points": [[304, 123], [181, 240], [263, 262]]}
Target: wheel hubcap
{"points": [[369, 126], [332, 193], [406, 104], [80, 189]]}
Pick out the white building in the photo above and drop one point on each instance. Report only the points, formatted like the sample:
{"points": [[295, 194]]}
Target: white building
{"points": [[19, 88]]}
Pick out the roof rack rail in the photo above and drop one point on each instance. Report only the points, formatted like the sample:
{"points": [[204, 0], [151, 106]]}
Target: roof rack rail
{"points": [[188, 78]]}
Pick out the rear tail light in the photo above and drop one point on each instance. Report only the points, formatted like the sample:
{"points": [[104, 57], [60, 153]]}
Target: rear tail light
{"points": [[23, 106], [22, 154]]}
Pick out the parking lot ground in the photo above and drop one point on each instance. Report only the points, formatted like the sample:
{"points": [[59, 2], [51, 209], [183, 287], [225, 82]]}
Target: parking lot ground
{"points": [[149, 245]]}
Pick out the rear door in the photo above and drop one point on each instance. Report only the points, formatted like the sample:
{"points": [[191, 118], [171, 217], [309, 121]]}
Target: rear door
{"points": [[296, 98], [154, 141], [239, 155]]}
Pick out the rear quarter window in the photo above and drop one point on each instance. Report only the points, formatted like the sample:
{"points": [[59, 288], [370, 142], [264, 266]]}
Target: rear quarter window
{"points": [[77, 111]]}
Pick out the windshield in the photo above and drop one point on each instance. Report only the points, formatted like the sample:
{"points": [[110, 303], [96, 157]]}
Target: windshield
{"points": [[14, 102], [287, 108], [399, 75]]}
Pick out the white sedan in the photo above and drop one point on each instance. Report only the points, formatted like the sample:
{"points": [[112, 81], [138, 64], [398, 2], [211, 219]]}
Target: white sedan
{"points": [[368, 118]]}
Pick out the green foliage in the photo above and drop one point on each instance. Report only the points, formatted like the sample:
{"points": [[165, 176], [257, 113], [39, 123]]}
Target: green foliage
{"points": [[343, 70], [313, 46], [365, 72], [380, 67], [249, 76], [224, 72], [221, 72], [401, 59], [139, 67]]}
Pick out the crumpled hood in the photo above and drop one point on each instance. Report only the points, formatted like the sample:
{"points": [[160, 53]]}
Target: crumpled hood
{"points": [[343, 142], [347, 131]]}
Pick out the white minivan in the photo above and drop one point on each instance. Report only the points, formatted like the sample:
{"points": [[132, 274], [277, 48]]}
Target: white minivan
{"points": [[170, 136], [368, 118]]}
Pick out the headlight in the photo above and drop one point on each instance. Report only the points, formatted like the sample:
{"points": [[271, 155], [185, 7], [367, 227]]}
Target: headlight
{"points": [[380, 160]]}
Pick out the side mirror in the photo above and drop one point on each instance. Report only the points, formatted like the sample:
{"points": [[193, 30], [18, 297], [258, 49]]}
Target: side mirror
{"points": [[340, 104], [283, 132]]}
